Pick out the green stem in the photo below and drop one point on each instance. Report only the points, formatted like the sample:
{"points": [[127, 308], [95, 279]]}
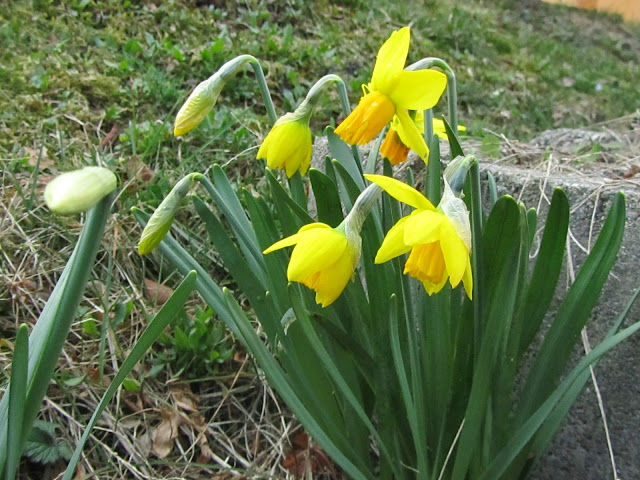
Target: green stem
{"points": [[476, 240], [264, 88], [346, 110]]}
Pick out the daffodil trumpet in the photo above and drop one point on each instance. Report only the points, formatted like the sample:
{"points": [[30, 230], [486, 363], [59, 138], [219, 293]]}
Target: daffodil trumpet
{"points": [[394, 147], [438, 239]]}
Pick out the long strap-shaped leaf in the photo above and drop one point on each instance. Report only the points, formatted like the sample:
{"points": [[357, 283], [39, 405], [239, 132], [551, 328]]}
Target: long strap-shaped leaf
{"points": [[17, 396], [236, 320], [51, 330], [503, 233], [335, 374], [521, 437], [155, 328], [573, 313], [545, 275]]}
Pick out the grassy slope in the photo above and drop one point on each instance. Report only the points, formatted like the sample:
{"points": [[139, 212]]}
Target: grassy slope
{"points": [[71, 71]]}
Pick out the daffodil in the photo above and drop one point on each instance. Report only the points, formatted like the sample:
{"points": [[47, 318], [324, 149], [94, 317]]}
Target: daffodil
{"points": [[439, 239], [394, 147], [288, 144], [393, 91], [323, 259]]}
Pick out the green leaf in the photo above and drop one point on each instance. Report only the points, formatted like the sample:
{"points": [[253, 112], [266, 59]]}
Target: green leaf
{"points": [[523, 435], [573, 313], [493, 189], [155, 328], [327, 198], [282, 384], [53, 325], [341, 153], [42, 445], [17, 394], [502, 236], [281, 198], [546, 272], [456, 149], [131, 385]]}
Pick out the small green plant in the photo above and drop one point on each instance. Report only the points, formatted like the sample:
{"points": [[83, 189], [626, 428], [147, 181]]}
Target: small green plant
{"points": [[195, 347]]}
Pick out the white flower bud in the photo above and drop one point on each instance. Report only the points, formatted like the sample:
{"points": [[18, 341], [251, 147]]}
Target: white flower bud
{"points": [[79, 190]]}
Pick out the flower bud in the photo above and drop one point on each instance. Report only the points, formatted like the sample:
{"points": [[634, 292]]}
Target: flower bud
{"points": [[205, 95], [79, 190], [161, 220]]}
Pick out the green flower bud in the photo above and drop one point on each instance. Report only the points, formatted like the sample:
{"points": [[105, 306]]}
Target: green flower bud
{"points": [[79, 190], [205, 95], [161, 220]]}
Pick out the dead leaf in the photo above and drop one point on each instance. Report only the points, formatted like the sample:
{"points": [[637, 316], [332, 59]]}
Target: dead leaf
{"points": [[45, 161], [304, 456], [163, 436], [632, 171], [111, 137], [157, 292], [185, 399], [139, 170]]}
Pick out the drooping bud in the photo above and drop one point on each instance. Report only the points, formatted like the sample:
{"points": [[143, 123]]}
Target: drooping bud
{"points": [[161, 220], [204, 96], [79, 190]]}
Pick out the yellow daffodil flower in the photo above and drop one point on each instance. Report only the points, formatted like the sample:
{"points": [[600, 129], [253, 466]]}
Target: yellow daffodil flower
{"points": [[323, 259], [439, 239], [393, 91], [394, 147], [288, 144]]}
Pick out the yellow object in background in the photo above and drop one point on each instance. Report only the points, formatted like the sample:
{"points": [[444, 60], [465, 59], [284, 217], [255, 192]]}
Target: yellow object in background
{"points": [[629, 9]]}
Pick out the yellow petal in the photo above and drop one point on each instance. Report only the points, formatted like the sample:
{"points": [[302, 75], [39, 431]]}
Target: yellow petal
{"points": [[411, 136], [315, 251], [417, 90], [391, 58], [332, 280], [401, 191], [455, 253], [423, 227], [295, 238], [393, 244]]}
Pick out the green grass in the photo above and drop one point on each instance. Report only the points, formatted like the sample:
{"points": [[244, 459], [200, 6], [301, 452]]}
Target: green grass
{"points": [[73, 71]]}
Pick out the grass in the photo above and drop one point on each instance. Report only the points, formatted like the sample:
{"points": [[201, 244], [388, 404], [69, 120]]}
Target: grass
{"points": [[99, 82]]}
